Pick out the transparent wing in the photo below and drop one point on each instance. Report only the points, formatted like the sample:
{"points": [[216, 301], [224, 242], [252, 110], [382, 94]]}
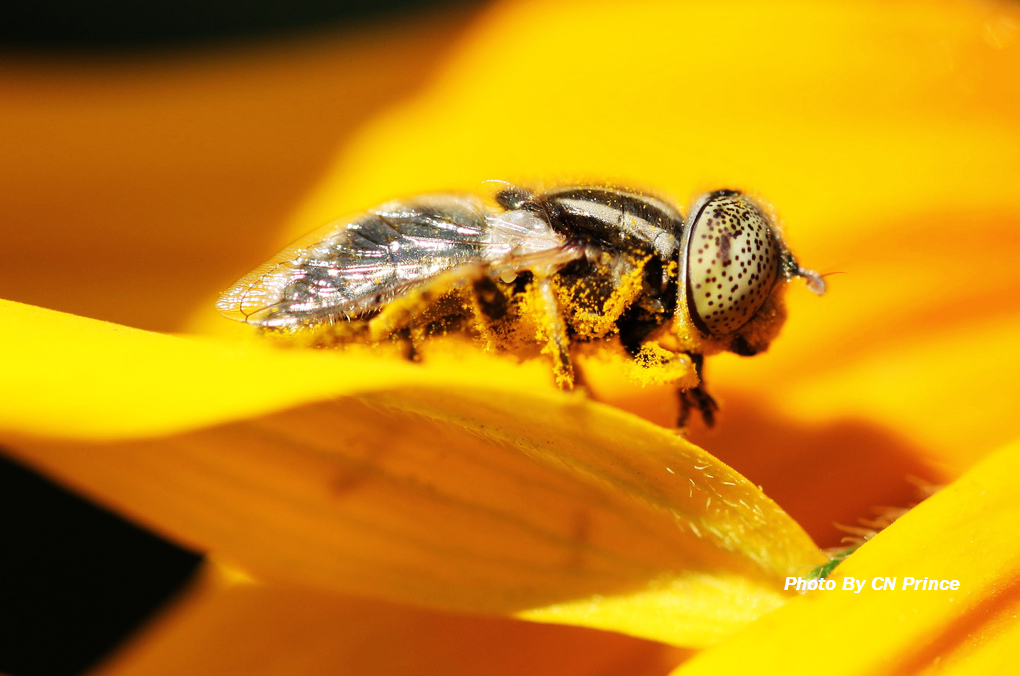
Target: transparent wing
{"points": [[352, 267]]}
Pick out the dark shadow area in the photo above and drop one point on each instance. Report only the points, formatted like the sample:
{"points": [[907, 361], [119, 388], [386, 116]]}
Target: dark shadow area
{"points": [[837, 472], [127, 25], [75, 579]]}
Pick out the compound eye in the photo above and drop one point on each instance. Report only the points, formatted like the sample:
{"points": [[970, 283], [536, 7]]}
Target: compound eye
{"points": [[732, 262]]}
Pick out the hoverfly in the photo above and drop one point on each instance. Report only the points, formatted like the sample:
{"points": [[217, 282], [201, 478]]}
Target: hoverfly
{"points": [[538, 273]]}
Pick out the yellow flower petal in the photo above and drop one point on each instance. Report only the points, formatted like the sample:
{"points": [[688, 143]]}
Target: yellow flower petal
{"points": [[964, 533], [232, 625], [467, 485], [80, 378]]}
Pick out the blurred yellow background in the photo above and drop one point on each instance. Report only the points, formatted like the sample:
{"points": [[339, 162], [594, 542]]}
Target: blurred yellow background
{"points": [[136, 186]]}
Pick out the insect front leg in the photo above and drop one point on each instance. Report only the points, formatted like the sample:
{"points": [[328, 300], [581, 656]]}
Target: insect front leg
{"points": [[696, 398], [552, 331], [416, 337]]}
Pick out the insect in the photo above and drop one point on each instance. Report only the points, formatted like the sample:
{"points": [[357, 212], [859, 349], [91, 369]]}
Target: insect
{"points": [[539, 272]]}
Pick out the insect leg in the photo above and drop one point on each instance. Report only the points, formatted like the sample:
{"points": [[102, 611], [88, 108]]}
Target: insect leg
{"points": [[416, 336], [553, 332], [696, 397], [490, 306]]}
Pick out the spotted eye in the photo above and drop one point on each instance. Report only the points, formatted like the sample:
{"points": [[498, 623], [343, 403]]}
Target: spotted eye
{"points": [[732, 261]]}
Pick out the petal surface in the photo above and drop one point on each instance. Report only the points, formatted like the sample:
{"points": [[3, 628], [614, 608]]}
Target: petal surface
{"points": [[230, 624], [469, 485], [958, 534]]}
